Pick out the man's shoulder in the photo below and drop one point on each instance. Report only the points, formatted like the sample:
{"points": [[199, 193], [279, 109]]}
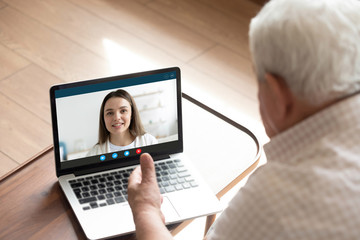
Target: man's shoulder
{"points": [[277, 178]]}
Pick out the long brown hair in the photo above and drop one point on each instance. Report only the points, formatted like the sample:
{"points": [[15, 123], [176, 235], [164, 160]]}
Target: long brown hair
{"points": [[136, 128]]}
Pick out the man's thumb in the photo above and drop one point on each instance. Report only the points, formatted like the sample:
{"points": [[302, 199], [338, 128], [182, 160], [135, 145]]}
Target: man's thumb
{"points": [[147, 168]]}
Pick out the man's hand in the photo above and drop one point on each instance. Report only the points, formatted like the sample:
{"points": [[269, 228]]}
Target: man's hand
{"points": [[143, 191], [145, 201]]}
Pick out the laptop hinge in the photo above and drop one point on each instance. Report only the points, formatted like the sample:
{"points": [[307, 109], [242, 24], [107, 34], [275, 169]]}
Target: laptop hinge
{"points": [[110, 167], [161, 157], [98, 169]]}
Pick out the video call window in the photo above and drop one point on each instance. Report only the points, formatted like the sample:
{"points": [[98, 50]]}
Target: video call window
{"points": [[79, 121]]}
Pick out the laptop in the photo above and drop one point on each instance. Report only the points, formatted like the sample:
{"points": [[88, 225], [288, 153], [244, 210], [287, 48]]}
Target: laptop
{"points": [[93, 168]]}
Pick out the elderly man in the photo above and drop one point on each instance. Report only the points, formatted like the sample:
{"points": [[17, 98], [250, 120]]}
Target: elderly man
{"points": [[306, 55]]}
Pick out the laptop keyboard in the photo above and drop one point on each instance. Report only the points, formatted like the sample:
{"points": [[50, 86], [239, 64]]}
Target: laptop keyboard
{"points": [[111, 187]]}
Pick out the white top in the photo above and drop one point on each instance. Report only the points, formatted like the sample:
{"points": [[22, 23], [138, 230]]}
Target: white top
{"points": [[140, 141], [310, 186], [115, 148]]}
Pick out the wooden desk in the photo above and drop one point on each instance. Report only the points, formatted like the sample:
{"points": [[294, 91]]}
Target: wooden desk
{"points": [[34, 207]]}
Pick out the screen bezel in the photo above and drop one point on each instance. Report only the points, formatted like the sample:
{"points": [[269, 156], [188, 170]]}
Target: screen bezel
{"points": [[156, 150]]}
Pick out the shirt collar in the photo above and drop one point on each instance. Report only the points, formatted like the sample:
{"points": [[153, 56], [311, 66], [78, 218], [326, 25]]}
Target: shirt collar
{"points": [[284, 146]]}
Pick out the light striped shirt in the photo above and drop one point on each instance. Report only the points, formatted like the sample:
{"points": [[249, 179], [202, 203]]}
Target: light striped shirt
{"points": [[310, 186]]}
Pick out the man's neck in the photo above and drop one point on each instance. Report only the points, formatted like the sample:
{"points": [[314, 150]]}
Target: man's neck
{"points": [[302, 110]]}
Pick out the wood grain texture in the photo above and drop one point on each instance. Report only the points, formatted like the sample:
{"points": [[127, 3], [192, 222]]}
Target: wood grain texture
{"points": [[242, 10], [160, 31], [259, 2], [10, 62], [48, 49], [228, 68], [30, 88], [120, 51], [6, 164], [22, 133], [221, 28], [213, 91], [2, 4]]}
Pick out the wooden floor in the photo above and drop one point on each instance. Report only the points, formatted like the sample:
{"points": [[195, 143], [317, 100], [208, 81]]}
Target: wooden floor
{"points": [[43, 43]]}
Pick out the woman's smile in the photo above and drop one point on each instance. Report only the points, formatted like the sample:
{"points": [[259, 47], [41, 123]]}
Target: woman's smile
{"points": [[118, 125]]}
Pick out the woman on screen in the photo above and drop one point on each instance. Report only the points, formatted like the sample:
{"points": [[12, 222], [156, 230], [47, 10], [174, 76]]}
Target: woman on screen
{"points": [[120, 126]]}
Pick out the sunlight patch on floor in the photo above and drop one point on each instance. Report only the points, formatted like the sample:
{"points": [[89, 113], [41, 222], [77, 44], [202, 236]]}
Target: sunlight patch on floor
{"points": [[123, 60]]}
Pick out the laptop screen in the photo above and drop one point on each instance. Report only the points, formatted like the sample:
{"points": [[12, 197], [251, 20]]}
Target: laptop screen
{"points": [[111, 121]]}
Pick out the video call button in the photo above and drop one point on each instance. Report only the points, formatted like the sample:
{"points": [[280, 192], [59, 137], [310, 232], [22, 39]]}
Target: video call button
{"points": [[114, 155]]}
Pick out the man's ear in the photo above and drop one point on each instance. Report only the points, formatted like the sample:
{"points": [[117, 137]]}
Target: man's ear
{"points": [[281, 95]]}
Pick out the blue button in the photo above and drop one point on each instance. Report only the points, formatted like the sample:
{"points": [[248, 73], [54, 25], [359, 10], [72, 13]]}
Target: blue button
{"points": [[126, 153], [115, 155], [102, 157]]}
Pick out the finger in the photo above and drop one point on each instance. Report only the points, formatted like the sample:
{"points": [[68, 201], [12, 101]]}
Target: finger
{"points": [[147, 168], [135, 177]]}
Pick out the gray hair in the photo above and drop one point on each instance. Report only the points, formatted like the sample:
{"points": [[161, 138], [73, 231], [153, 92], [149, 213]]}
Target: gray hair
{"points": [[313, 44]]}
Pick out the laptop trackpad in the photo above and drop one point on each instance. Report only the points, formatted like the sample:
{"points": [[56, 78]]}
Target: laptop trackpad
{"points": [[169, 211]]}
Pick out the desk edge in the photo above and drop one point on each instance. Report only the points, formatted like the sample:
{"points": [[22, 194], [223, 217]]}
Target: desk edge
{"points": [[26, 163]]}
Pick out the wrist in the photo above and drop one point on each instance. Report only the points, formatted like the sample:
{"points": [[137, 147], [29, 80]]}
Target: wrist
{"points": [[150, 225], [148, 214]]}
